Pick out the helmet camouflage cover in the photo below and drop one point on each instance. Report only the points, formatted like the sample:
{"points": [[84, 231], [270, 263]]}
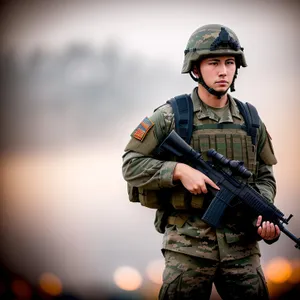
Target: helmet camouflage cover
{"points": [[212, 40]]}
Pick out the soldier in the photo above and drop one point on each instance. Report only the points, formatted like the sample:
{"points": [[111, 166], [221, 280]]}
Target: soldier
{"points": [[197, 255]]}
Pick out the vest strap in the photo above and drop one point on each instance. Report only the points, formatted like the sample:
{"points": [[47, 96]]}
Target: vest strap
{"points": [[251, 117], [183, 110]]}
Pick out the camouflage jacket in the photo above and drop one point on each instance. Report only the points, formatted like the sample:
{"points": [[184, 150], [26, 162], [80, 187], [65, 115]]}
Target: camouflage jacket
{"points": [[189, 234]]}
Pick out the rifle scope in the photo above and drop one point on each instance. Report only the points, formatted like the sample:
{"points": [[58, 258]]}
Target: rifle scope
{"points": [[235, 166]]}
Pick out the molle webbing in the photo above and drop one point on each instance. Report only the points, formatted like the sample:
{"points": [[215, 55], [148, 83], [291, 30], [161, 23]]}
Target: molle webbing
{"points": [[235, 141], [232, 145]]}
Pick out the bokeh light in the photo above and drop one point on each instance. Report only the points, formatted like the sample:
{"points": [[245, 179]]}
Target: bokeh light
{"points": [[155, 269], [50, 284], [295, 276], [278, 270], [127, 278], [21, 289]]}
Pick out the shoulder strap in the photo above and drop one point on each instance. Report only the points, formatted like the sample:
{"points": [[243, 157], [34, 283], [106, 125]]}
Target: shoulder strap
{"points": [[251, 118], [182, 106]]}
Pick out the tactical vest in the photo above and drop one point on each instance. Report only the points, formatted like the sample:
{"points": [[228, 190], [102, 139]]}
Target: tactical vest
{"points": [[235, 141], [231, 141]]}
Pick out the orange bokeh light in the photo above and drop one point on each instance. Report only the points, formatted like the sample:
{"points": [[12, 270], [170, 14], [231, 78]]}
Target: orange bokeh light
{"points": [[50, 284], [278, 270], [127, 278], [295, 276], [155, 270]]}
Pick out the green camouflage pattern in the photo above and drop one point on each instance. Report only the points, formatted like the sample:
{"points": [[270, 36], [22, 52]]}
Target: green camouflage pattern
{"points": [[199, 43], [144, 170], [196, 238], [187, 277]]}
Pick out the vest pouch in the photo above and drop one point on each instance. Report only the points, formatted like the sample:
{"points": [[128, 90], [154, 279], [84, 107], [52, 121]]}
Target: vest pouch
{"points": [[161, 220], [182, 199], [148, 198], [154, 198], [133, 193], [179, 199], [198, 201]]}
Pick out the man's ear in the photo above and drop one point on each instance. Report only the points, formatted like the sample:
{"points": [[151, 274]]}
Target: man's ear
{"points": [[195, 70]]}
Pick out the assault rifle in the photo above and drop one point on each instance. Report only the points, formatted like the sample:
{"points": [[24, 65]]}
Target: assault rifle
{"points": [[230, 187]]}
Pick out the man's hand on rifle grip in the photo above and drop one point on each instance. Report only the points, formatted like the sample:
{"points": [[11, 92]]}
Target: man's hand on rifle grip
{"points": [[193, 180], [267, 230]]}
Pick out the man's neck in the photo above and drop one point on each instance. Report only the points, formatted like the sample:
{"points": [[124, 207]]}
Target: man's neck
{"points": [[210, 99]]}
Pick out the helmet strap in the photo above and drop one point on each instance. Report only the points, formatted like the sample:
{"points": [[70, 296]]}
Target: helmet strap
{"points": [[232, 87], [211, 90]]}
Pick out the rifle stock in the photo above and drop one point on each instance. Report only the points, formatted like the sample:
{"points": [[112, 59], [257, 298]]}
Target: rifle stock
{"points": [[230, 188]]}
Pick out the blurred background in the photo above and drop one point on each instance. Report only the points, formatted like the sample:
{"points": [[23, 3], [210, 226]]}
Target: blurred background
{"points": [[77, 77]]}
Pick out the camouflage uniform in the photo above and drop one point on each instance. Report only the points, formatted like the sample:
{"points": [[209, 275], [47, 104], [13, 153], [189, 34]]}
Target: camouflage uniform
{"points": [[196, 254]]}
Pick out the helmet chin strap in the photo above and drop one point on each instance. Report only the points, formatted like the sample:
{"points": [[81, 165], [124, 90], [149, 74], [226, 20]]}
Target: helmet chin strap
{"points": [[211, 90]]}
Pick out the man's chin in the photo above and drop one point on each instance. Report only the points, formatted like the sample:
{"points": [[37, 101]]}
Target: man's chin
{"points": [[222, 89]]}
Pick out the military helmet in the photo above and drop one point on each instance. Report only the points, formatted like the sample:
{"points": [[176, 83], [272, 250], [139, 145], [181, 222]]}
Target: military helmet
{"points": [[212, 40]]}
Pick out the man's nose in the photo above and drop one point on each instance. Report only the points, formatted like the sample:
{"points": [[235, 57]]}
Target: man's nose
{"points": [[222, 70]]}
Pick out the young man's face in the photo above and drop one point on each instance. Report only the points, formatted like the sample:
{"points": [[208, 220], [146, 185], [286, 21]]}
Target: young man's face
{"points": [[218, 72]]}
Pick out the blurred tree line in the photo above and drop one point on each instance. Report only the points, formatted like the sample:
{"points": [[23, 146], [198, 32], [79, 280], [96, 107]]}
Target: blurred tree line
{"points": [[79, 94]]}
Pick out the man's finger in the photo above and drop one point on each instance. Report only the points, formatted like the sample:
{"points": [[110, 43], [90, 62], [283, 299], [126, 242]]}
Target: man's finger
{"points": [[272, 231], [258, 222], [263, 232], [268, 230], [202, 187], [259, 230], [277, 230], [211, 183]]}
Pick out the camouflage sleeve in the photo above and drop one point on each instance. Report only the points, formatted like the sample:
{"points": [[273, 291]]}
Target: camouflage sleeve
{"points": [[140, 167], [265, 181]]}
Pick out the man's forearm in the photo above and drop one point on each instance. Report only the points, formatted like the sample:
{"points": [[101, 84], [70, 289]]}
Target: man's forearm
{"points": [[147, 172], [265, 182]]}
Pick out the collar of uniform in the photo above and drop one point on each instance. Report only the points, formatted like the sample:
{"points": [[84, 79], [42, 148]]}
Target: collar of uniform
{"points": [[202, 112], [196, 100]]}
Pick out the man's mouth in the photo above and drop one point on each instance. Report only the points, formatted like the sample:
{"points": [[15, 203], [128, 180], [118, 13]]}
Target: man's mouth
{"points": [[222, 81]]}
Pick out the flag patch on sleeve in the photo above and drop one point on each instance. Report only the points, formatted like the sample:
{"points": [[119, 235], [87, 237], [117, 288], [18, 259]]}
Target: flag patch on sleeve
{"points": [[143, 128]]}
